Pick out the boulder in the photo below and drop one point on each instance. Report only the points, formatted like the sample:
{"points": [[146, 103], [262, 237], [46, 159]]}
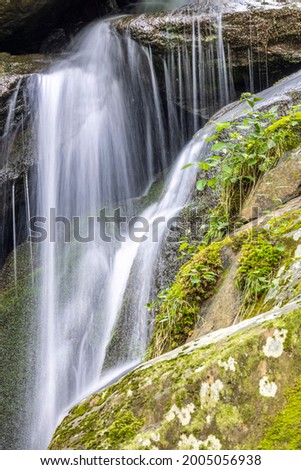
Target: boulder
{"points": [[232, 389], [276, 187], [237, 387]]}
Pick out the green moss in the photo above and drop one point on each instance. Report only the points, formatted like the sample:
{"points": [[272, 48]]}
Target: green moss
{"points": [[179, 306], [239, 419], [260, 257], [286, 223], [285, 432], [124, 427], [228, 416]]}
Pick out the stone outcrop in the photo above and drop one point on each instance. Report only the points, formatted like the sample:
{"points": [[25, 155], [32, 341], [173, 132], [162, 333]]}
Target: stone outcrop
{"points": [[235, 388], [257, 36], [232, 389], [276, 187]]}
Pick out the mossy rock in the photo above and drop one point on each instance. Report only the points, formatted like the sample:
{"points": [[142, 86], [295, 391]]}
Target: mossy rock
{"points": [[232, 390], [258, 254]]}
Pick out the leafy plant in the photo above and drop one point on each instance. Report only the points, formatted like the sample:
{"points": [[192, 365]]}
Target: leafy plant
{"points": [[178, 307], [242, 152]]}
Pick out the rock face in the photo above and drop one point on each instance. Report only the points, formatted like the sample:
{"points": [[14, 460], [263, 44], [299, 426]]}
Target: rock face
{"points": [[236, 385], [255, 36], [276, 187], [228, 390], [17, 345], [16, 152], [21, 20]]}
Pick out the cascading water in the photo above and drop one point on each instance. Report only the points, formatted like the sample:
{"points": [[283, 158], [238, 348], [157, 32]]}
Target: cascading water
{"points": [[101, 141], [103, 135], [96, 122]]}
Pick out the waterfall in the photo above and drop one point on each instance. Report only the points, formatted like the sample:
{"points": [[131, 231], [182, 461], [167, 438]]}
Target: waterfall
{"points": [[200, 74], [104, 135], [101, 142]]}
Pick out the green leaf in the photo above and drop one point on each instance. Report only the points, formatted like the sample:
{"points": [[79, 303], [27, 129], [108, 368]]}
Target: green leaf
{"points": [[271, 144], [187, 166], [183, 246], [201, 184], [220, 146], [213, 137], [204, 166], [220, 126], [274, 109], [226, 169], [212, 182]]}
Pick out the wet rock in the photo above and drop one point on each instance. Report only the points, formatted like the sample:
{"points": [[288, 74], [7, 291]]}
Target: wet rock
{"points": [[257, 37]]}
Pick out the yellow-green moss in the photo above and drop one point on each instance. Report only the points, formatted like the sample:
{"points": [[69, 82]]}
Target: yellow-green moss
{"points": [[239, 418], [260, 257], [285, 432], [124, 427], [179, 306], [286, 223]]}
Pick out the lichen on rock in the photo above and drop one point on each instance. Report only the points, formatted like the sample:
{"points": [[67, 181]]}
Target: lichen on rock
{"points": [[238, 419]]}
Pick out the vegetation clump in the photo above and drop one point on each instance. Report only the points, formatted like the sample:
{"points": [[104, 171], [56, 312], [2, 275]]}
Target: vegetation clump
{"points": [[179, 306], [260, 256], [245, 151]]}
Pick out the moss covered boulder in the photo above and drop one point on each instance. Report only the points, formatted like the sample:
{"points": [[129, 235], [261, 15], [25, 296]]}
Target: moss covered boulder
{"points": [[229, 390]]}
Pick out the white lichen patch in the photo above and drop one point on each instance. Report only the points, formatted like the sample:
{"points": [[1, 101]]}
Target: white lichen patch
{"points": [[212, 443], [199, 369], [192, 443], [210, 394], [230, 365], [298, 252], [274, 344], [297, 235], [184, 415], [208, 419], [145, 442], [155, 436], [267, 388]]}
